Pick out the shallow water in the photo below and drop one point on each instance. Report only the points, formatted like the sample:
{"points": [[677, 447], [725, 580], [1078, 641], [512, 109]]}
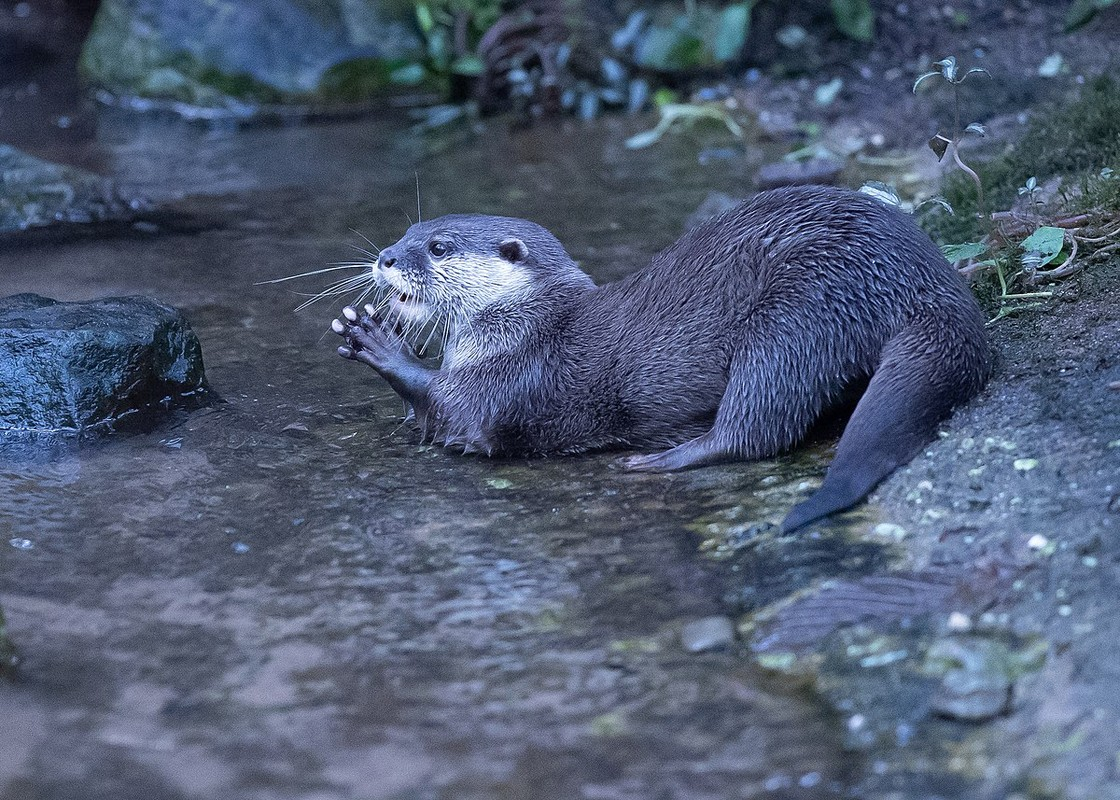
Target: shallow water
{"points": [[286, 596]]}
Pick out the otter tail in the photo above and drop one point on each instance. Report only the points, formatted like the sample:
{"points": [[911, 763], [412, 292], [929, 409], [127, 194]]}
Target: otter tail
{"points": [[940, 360]]}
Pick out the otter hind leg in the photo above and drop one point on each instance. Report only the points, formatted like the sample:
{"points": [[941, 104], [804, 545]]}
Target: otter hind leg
{"points": [[777, 385], [925, 370]]}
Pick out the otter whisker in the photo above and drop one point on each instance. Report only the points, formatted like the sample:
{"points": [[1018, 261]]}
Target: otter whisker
{"points": [[342, 287], [371, 256], [371, 244], [335, 268]]}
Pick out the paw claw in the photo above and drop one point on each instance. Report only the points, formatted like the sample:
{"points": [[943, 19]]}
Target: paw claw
{"points": [[369, 309], [346, 352], [350, 314], [337, 326]]}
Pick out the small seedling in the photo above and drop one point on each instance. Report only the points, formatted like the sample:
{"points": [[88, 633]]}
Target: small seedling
{"points": [[1031, 189], [943, 145]]}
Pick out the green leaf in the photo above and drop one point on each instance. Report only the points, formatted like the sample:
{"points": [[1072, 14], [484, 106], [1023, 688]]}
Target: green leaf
{"points": [[645, 138], [424, 17], [408, 75], [922, 78], [974, 71], [734, 25], [665, 96], [1047, 241], [855, 19], [1082, 11], [702, 37], [963, 252], [467, 65], [883, 192], [825, 94], [948, 68]]}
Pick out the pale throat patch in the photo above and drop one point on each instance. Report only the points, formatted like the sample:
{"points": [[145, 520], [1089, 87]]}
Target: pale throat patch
{"points": [[473, 282]]}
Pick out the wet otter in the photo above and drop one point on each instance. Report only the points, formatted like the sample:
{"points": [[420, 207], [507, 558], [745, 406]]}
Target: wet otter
{"points": [[727, 346]]}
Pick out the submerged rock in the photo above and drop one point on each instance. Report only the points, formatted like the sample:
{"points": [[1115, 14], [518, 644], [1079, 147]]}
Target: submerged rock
{"points": [[799, 173], [709, 633], [76, 366], [34, 192], [978, 675], [220, 52]]}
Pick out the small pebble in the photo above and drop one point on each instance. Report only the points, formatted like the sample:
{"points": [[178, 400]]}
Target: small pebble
{"points": [[809, 780], [21, 544], [959, 622], [1037, 542], [889, 530], [709, 633], [1025, 464], [240, 547]]}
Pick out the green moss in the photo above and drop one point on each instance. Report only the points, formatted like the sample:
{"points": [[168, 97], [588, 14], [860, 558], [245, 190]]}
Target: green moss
{"points": [[134, 59], [1076, 141]]}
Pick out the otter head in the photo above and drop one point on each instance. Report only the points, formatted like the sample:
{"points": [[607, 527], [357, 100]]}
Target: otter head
{"points": [[458, 267]]}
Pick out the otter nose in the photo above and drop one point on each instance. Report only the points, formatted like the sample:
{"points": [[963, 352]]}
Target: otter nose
{"points": [[387, 258]]}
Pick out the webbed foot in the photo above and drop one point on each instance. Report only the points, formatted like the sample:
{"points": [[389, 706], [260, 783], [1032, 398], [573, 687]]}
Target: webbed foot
{"points": [[697, 452], [368, 338]]}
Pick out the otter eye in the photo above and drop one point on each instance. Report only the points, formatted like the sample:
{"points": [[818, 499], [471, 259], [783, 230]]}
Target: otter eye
{"points": [[437, 249]]}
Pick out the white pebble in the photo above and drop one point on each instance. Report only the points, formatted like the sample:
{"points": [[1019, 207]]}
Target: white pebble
{"points": [[1037, 542], [959, 622]]}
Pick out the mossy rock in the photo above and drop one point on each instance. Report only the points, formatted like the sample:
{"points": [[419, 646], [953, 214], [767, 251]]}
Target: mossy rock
{"points": [[218, 53]]}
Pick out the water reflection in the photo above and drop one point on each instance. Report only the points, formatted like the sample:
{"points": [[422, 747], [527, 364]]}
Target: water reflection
{"points": [[286, 596]]}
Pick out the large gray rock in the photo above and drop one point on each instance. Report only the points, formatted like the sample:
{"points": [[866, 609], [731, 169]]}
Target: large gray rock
{"points": [[210, 53], [36, 192], [76, 366]]}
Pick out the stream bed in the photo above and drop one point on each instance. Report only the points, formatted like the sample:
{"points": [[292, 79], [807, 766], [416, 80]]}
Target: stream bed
{"points": [[285, 595]]}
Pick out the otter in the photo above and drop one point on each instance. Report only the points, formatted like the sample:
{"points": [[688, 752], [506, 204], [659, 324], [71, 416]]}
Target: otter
{"points": [[729, 345]]}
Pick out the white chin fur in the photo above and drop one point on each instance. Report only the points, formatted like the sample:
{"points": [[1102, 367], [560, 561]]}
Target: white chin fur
{"points": [[410, 310]]}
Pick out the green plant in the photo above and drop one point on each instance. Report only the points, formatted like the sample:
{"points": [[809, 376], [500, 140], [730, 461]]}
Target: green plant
{"points": [[1040, 240], [943, 145], [854, 18], [1082, 11], [452, 30]]}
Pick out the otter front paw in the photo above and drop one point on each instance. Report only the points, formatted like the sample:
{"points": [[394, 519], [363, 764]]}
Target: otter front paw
{"points": [[367, 337]]}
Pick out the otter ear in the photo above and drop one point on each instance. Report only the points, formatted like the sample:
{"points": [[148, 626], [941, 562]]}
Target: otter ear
{"points": [[513, 250]]}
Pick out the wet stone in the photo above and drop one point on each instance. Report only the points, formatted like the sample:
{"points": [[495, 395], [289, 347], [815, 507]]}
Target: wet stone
{"points": [[77, 366], [715, 203], [799, 173], [230, 54], [709, 633], [34, 192], [978, 676]]}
